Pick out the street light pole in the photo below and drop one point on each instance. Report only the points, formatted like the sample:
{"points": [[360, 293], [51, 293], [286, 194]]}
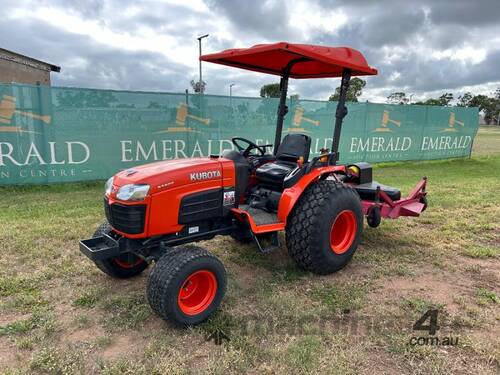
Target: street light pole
{"points": [[199, 44], [231, 94]]}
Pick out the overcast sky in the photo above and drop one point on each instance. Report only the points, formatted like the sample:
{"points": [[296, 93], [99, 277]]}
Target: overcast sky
{"points": [[421, 47]]}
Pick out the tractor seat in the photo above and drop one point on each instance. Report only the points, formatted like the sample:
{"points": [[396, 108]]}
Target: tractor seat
{"points": [[274, 173], [290, 150], [368, 191]]}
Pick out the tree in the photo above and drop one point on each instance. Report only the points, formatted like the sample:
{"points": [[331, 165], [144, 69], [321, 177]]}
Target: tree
{"points": [[85, 99], [488, 106], [433, 101], [497, 105], [464, 100], [445, 99], [198, 87], [355, 90], [442, 101], [271, 90], [398, 98]]}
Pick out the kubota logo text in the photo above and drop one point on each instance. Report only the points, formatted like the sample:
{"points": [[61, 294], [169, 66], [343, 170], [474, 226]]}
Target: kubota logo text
{"points": [[204, 175]]}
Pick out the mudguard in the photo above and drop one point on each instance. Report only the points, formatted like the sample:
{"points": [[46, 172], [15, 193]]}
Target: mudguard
{"points": [[291, 195]]}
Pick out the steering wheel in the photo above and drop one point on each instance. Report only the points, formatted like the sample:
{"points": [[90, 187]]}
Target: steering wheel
{"points": [[245, 151]]}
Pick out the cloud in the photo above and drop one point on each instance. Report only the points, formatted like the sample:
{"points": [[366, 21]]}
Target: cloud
{"points": [[88, 8], [268, 19], [421, 47], [87, 63], [465, 12]]}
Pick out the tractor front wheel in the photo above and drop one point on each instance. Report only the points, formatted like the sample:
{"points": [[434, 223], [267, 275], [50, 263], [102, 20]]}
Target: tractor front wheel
{"points": [[186, 286], [123, 266], [324, 229]]}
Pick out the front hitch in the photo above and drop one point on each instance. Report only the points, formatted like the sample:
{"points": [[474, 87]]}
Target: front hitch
{"points": [[100, 248]]}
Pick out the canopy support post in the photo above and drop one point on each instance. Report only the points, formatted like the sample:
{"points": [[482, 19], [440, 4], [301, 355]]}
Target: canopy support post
{"points": [[282, 108], [340, 113], [282, 111]]}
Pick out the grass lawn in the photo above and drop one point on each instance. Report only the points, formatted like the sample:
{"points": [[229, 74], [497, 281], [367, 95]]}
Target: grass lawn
{"points": [[60, 314]]}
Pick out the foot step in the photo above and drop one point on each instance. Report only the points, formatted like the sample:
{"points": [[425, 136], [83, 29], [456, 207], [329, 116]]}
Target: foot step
{"points": [[259, 216], [263, 247]]}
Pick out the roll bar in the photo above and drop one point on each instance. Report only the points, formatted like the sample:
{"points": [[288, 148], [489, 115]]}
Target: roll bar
{"points": [[340, 113]]}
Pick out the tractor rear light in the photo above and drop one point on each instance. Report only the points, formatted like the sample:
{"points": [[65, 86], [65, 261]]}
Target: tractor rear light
{"points": [[132, 192]]}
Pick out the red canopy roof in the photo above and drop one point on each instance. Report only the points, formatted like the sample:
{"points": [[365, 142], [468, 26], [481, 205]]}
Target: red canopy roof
{"points": [[321, 61]]}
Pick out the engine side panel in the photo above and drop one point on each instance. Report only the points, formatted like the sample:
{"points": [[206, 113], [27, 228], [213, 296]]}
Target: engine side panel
{"points": [[172, 181], [167, 214]]}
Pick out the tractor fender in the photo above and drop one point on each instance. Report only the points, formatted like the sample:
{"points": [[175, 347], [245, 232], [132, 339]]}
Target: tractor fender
{"points": [[291, 195]]}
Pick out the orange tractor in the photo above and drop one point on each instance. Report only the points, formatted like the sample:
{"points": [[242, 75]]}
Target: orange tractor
{"points": [[250, 193]]}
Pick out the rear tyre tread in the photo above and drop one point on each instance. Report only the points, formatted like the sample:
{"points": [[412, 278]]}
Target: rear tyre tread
{"points": [[305, 228]]}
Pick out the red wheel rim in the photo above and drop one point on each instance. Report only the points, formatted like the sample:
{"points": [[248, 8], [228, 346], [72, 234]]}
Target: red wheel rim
{"points": [[197, 292], [343, 232], [126, 264]]}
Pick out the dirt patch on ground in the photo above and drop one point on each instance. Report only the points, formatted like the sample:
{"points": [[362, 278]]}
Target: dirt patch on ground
{"points": [[247, 278], [9, 318], [484, 272], [423, 286], [7, 354], [380, 362], [125, 345], [82, 335]]}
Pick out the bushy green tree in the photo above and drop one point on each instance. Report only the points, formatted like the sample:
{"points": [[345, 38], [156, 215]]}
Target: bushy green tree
{"points": [[271, 90], [443, 101], [354, 91]]}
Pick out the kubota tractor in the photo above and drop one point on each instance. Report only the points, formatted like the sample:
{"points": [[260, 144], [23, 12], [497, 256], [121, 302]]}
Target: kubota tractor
{"points": [[154, 210]]}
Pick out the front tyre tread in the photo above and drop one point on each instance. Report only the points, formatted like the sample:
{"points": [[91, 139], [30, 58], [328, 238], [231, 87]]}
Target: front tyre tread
{"points": [[168, 276], [109, 266]]}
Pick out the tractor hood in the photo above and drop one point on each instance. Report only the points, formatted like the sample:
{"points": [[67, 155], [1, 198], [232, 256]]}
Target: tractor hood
{"points": [[170, 173]]}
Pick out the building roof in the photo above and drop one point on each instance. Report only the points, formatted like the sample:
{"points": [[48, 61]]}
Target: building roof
{"points": [[53, 68], [316, 61]]}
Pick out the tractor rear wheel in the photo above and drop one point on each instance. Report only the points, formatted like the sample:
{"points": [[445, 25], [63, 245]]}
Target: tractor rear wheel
{"points": [[121, 267], [186, 286], [325, 226]]}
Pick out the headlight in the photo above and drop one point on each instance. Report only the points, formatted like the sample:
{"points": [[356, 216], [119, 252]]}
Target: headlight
{"points": [[132, 192], [108, 186]]}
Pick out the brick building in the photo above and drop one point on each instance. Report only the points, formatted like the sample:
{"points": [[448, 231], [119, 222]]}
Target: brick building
{"points": [[15, 67]]}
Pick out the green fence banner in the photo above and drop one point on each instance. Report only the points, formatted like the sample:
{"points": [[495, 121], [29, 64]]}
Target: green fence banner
{"points": [[58, 134]]}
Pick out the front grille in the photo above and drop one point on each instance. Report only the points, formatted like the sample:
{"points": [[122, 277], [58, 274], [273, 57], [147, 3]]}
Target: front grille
{"points": [[200, 206], [126, 219]]}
